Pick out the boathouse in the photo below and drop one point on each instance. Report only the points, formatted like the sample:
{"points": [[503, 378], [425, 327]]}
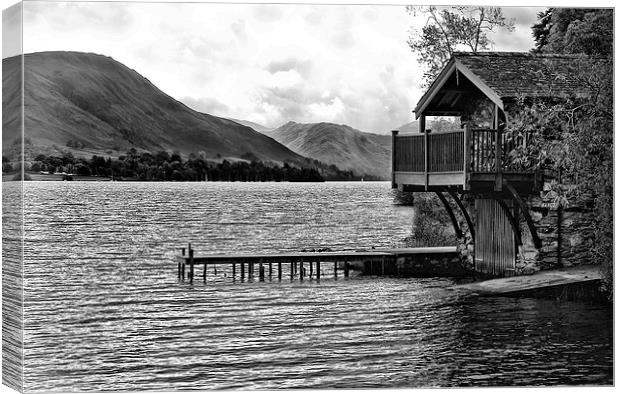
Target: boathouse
{"points": [[504, 217]]}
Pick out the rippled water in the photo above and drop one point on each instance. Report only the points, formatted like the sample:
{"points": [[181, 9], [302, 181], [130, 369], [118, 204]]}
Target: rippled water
{"points": [[104, 310]]}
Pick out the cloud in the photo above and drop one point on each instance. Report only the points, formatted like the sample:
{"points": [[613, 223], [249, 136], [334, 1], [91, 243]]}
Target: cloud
{"points": [[12, 31], [268, 12], [238, 28], [207, 105], [303, 67], [265, 63]]}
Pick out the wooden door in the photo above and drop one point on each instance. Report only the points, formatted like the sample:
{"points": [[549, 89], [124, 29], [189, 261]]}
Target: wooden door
{"points": [[495, 249]]}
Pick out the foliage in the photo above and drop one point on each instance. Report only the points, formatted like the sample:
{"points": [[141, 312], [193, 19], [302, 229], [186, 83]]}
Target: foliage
{"points": [[163, 166], [431, 227], [573, 140], [575, 30], [450, 29]]}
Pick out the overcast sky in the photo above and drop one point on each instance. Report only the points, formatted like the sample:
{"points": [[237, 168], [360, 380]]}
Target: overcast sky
{"points": [[264, 63]]}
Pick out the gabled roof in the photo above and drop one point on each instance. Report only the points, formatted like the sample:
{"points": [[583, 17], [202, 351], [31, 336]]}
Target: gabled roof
{"points": [[502, 75]]}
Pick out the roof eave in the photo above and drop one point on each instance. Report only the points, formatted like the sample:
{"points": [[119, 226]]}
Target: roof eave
{"points": [[453, 65]]}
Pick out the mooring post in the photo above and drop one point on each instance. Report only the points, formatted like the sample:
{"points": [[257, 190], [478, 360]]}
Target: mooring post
{"points": [[346, 267], [310, 269], [250, 271], [261, 271], [242, 271], [301, 269], [318, 270], [191, 265], [234, 269], [336, 270], [292, 269], [204, 273], [279, 270]]}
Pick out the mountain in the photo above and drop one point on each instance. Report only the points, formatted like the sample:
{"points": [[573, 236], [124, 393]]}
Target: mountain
{"points": [[340, 145], [88, 103], [258, 127]]}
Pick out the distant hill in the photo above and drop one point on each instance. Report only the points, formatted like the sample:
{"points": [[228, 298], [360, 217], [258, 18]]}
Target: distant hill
{"points": [[258, 127], [88, 103], [340, 145]]}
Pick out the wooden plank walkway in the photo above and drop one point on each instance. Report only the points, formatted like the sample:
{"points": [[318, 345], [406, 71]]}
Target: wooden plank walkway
{"points": [[540, 281], [340, 259]]}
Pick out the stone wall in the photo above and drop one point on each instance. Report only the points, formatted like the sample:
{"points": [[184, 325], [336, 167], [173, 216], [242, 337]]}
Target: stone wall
{"points": [[422, 265], [567, 235]]}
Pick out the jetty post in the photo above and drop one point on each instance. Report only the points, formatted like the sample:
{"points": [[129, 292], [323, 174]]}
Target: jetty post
{"points": [[270, 270], [261, 271], [335, 270], [292, 270], [234, 268], [279, 271], [242, 271], [301, 269], [318, 269], [346, 267], [191, 264]]}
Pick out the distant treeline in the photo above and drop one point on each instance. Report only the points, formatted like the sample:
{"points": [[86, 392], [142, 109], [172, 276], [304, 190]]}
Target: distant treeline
{"points": [[163, 166]]}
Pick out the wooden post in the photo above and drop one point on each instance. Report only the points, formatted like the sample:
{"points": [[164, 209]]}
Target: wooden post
{"points": [[242, 271], [466, 156], [204, 273], [234, 269], [279, 270], [191, 265], [310, 269], [346, 267], [270, 270], [383, 266], [250, 271], [498, 149], [301, 269], [318, 270], [292, 269], [394, 134], [335, 270], [423, 130], [261, 271]]}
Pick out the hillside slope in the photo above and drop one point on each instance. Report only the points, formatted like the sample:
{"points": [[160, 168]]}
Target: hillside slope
{"points": [[90, 103], [341, 145]]}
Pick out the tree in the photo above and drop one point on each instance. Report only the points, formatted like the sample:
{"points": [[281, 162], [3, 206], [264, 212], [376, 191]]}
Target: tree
{"points": [[575, 30], [450, 29], [573, 138]]}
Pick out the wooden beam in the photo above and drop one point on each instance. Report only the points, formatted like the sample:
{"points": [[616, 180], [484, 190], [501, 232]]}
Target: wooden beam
{"points": [[394, 134], [470, 224], [423, 130], [498, 149], [526, 215], [455, 223], [511, 219]]}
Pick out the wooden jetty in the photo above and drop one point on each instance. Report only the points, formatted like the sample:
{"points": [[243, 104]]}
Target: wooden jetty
{"points": [[293, 264], [552, 282]]}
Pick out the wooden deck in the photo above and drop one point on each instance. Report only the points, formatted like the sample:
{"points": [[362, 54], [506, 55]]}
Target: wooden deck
{"points": [[536, 283], [271, 264]]}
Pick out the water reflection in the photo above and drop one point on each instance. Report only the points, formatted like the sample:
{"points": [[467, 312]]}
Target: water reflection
{"points": [[104, 310]]}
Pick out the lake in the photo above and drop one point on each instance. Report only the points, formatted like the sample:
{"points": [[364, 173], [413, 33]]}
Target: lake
{"points": [[104, 310]]}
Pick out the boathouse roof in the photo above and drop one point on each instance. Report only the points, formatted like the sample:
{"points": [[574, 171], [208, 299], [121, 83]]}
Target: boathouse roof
{"points": [[501, 76]]}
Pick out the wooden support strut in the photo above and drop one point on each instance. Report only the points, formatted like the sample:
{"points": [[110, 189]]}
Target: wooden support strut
{"points": [[511, 219], [459, 203], [526, 215], [455, 223]]}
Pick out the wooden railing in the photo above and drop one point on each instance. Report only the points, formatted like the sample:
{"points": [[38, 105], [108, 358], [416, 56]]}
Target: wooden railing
{"points": [[408, 151], [483, 150], [445, 151]]}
